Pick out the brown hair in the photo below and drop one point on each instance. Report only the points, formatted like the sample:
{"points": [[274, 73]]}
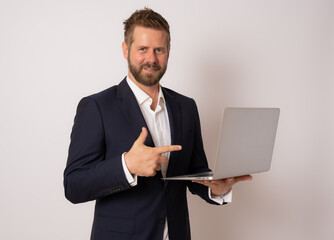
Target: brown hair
{"points": [[146, 18]]}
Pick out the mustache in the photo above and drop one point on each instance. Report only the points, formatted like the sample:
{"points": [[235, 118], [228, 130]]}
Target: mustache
{"points": [[153, 66]]}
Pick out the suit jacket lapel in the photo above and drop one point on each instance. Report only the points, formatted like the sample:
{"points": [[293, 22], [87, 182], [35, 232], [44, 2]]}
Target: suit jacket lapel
{"points": [[175, 122], [132, 111]]}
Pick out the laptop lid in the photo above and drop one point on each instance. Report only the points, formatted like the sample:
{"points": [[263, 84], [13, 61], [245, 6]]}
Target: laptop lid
{"points": [[245, 144], [246, 141]]}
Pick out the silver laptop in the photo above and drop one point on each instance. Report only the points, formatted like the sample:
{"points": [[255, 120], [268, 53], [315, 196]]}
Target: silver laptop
{"points": [[245, 145]]}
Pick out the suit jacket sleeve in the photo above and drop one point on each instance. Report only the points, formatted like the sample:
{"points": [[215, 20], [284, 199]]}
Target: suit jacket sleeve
{"points": [[88, 176]]}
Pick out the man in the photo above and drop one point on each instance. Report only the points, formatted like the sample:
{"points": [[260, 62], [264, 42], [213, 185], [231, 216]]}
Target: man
{"points": [[121, 146]]}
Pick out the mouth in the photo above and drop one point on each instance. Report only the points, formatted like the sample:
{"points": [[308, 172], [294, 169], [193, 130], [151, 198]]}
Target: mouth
{"points": [[150, 68]]}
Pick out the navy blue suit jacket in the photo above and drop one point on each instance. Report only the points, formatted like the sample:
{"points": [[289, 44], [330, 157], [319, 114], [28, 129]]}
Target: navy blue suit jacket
{"points": [[105, 126]]}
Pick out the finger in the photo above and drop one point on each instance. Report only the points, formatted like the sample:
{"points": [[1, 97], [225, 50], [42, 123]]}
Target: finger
{"points": [[158, 167], [163, 159], [203, 182], [142, 137], [243, 178], [230, 181], [210, 181], [170, 148]]}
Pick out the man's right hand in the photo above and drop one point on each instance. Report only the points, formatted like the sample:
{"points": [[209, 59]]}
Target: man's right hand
{"points": [[145, 161]]}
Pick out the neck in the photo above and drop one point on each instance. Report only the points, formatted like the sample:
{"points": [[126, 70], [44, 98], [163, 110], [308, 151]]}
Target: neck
{"points": [[151, 91]]}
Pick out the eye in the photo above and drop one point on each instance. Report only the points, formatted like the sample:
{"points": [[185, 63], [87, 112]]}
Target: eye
{"points": [[142, 49], [159, 50]]}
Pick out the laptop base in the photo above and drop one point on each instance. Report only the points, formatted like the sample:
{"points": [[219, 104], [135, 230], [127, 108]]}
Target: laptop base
{"points": [[196, 176]]}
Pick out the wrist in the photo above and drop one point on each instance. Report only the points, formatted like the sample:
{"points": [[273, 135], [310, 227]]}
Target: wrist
{"points": [[131, 178], [220, 194], [127, 162]]}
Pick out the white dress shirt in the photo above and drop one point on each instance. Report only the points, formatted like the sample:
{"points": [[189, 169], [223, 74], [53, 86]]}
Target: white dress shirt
{"points": [[158, 125]]}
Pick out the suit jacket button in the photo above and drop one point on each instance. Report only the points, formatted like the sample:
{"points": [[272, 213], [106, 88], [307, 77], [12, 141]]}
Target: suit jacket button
{"points": [[162, 220]]}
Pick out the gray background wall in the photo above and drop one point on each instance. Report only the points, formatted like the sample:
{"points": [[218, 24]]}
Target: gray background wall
{"points": [[245, 53]]}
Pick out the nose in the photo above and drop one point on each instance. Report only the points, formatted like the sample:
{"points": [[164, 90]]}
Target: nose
{"points": [[151, 57]]}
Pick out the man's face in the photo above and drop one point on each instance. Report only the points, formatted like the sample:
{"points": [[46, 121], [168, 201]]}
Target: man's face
{"points": [[147, 56]]}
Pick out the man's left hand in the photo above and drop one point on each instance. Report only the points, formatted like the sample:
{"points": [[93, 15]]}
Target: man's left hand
{"points": [[223, 186]]}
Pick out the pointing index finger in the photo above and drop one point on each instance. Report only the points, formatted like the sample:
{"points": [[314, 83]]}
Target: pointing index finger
{"points": [[169, 148]]}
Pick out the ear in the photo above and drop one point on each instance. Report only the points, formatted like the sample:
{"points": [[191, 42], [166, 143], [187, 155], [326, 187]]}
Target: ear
{"points": [[125, 50]]}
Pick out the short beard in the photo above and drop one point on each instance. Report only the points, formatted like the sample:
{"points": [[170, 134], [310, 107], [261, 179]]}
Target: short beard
{"points": [[148, 79]]}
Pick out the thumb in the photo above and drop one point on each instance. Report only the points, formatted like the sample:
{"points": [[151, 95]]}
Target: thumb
{"points": [[142, 137]]}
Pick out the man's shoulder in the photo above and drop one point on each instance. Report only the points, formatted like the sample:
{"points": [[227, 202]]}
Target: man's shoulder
{"points": [[178, 96], [107, 94]]}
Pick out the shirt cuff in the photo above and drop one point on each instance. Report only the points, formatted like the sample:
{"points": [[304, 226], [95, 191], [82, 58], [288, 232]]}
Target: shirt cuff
{"points": [[132, 179], [225, 198]]}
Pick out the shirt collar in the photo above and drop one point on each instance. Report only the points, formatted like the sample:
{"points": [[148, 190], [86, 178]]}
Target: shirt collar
{"points": [[141, 96]]}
